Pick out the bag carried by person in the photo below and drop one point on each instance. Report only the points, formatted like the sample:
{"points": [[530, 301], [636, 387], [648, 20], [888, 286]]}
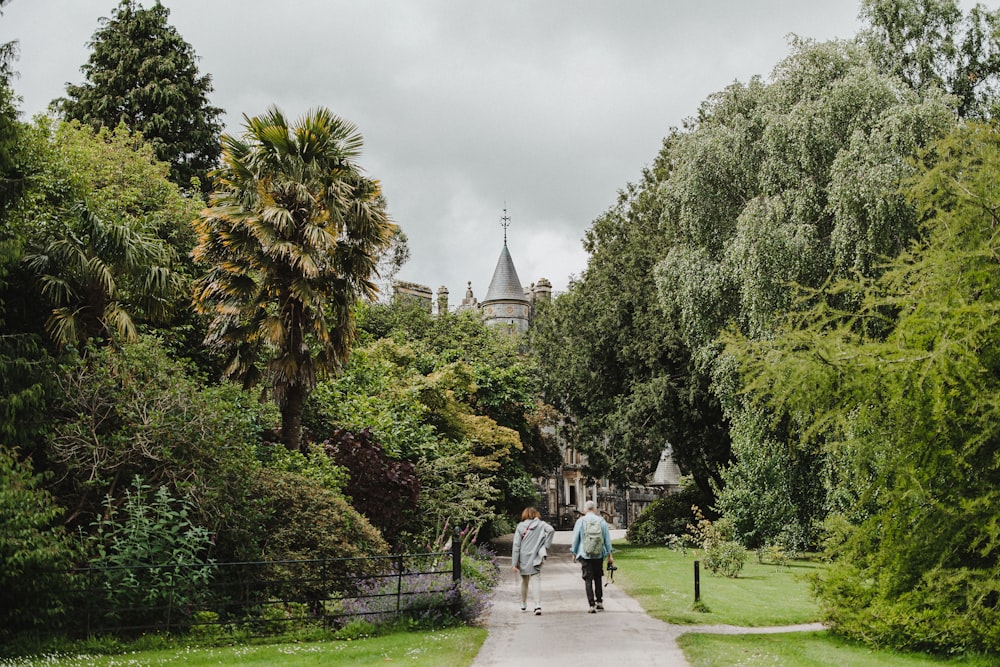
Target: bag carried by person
{"points": [[593, 539]]}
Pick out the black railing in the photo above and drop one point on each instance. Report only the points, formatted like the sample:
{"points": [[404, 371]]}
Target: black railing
{"points": [[264, 597]]}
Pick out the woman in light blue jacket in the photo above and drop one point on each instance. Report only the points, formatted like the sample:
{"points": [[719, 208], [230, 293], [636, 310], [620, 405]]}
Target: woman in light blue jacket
{"points": [[532, 540]]}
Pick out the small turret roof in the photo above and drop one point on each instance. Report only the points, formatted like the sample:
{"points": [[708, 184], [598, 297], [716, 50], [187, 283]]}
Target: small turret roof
{"points": [[667, 471], [505, 286]]}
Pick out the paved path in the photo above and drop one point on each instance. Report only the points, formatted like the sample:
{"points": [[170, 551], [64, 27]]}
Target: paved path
{"points": [[565, 634]]}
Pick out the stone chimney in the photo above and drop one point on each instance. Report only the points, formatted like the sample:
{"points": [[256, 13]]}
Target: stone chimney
{"points": [[442, 300], [542, 290]]}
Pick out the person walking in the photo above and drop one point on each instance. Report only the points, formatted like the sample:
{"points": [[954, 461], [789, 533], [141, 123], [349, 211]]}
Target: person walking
{"points": [[591, 545], [532, 540]]}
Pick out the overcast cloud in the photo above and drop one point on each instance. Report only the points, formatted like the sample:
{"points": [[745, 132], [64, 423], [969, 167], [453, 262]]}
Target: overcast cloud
{"points": [[548, 106]]}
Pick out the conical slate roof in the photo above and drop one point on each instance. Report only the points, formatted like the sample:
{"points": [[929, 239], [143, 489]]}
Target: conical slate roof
{"points": [[505, 285], [667, 472]]}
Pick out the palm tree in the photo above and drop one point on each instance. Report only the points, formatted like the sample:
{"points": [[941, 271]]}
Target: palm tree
{"points": [[291, 239], [100, 276]]}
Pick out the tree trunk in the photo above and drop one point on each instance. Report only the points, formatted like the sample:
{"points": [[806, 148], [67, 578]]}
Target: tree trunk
{"points": [[291, 417]]}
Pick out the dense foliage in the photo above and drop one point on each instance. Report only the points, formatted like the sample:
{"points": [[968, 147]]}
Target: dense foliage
{"points": [[931, 43], [141, 73], [21, 386], [105, 235], [772, 183], [35, 550], [904, 387], [125, 438], [666, 519], [799, 296], [155, 529], [135, 411], [383, 490], [452, 397]]}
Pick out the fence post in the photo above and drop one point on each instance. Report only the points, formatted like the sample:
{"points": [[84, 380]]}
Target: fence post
{"points": [[399, 586], [456, 571], [456, 556]]}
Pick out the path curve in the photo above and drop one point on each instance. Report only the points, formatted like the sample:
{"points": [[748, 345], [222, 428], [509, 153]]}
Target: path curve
{"points": [[565, 634]]}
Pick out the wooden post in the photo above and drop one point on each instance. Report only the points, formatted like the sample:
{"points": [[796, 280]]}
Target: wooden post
{"points": [[697, 583]]}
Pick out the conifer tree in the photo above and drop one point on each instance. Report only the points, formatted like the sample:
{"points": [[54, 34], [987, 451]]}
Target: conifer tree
{"points": [[142, 73]]}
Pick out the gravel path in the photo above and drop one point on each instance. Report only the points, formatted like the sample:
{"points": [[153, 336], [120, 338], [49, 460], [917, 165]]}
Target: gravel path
{"points": [[565, 634]]}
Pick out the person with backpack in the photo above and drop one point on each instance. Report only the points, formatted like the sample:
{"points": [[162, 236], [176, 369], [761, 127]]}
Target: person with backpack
{"points": [[532, 541], [591, 545]]}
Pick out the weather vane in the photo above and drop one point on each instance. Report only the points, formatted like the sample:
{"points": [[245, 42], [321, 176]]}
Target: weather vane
{"points": [[505, 223]]}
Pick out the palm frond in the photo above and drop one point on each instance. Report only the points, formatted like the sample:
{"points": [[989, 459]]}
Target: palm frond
{"points": [[118, 321]]}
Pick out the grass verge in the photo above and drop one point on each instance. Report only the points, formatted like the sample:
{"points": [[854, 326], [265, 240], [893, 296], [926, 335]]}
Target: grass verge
{"points": [[802, 649], [430, 648]]}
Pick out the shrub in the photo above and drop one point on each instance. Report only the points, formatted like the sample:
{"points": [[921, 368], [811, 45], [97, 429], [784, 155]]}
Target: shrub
{"points": [[677, 543], [775, 554], [315, 464], [35, 552], [669, 515], [294, 518], [723, 555], [948, 609], [152, 560], [383, 489], [135, 411]]}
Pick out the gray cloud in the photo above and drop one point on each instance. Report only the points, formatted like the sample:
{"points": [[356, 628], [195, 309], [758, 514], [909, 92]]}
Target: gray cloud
{"points": [[551, 107]]}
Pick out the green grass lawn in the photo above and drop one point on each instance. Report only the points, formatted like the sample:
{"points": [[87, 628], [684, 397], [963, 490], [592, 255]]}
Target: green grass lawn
{"points": [[662, 581], [812, 649], [454, 646]]}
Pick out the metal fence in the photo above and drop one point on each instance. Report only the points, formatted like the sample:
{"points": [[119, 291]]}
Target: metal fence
{"points": [[258, 598]]}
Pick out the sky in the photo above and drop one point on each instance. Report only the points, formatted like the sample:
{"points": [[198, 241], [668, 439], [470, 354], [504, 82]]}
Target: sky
{"points": [[545, 108]]}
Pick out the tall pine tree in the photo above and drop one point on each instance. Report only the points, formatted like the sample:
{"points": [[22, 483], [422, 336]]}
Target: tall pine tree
{"points": [[142, 73]]}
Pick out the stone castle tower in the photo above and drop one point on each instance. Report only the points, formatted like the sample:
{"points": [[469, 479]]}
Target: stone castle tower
{"points": [[507, 303]]}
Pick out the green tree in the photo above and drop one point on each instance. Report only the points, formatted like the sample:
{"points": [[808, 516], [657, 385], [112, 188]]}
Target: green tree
{"points": [[134, 411], [451, 395], [11, 179], [610, 356], [290, 244], [790, 182], [142, 73], [21, 356], [930, 43], [86, 273], [103, 226], [911, 411], [35, 551]]}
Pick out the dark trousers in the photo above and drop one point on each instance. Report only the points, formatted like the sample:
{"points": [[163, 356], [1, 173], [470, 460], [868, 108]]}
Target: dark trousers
{"points": [[592, 572]]}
